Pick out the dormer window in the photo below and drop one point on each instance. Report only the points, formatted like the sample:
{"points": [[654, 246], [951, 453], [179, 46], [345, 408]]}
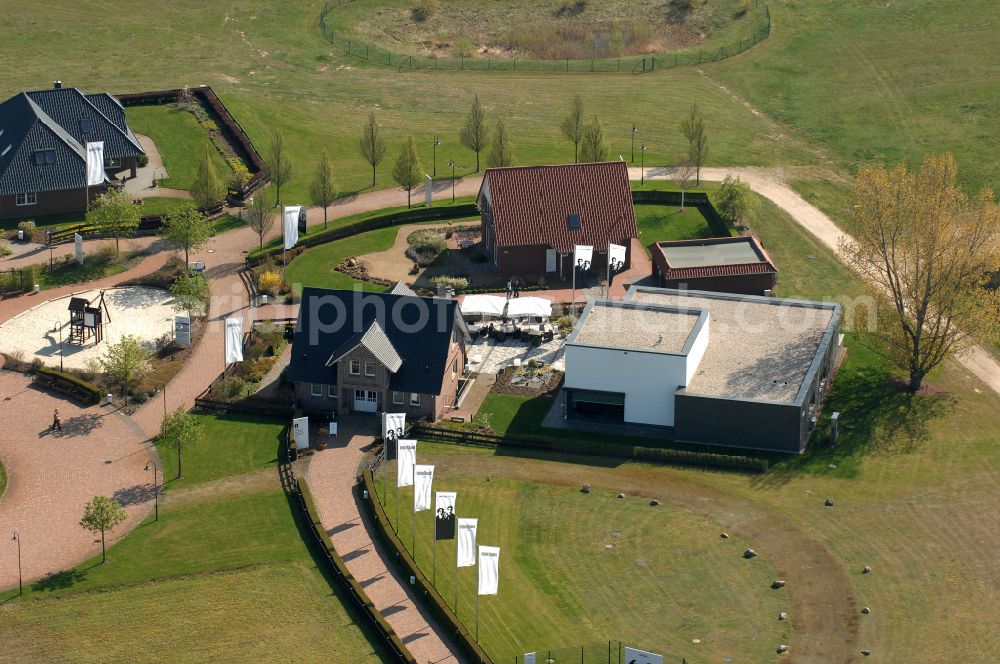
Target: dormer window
{"points": [[574, 221], [85, 126], [43, 157]]}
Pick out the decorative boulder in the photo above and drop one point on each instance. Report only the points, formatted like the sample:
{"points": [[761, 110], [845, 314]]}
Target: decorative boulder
{"points": [[829, 502], [866, 652], [866, 570], [866, 610], [621, 495], [654, 503], [782, 649], [724, 535], [782, 616], [749, 553], [777, 583]]}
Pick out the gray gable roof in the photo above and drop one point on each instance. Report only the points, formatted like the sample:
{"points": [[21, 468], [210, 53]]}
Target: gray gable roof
{"points": [[72, 109], [376, 342], [401, 289]]}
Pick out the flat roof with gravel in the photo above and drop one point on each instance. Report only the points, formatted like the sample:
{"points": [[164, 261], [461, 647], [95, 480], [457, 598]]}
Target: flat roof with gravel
{"points": [[758, 348], [710, 253], [633, 326]]}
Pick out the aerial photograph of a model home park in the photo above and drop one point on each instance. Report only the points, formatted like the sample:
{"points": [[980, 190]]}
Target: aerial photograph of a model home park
{"points": [[500, 331]]}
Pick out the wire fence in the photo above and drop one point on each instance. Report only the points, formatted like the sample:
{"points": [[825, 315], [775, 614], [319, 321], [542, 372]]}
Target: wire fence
{"points": [[761, 19], [610, 652]]}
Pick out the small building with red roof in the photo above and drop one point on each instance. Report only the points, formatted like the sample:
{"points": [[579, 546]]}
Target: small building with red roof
{"points": [[533, 216], [737, 265]]}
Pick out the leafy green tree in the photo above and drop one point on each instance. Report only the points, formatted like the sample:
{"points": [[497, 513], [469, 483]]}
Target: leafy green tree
{"points": [[191, 292], [572, 126], [101, 515], [279, 165], [186, 229], [372, 144], [592, 144], [178, 430], [501, 151], [260, 215], [323, 188], [115, 214], [736, 201], [475, 131], [407, 170], [693, 128], [126, 360], [207, 188]]}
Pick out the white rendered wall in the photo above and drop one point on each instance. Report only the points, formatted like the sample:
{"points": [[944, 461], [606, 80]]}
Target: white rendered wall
{"points": [[697, 352], [648, 380]]}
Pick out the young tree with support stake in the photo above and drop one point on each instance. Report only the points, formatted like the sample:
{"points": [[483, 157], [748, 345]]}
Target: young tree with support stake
{"points": [[178, 430], [186, 229], [127, 360], [501, 151], [372, 144], [572, 126], [260, 215], [693, 128], [685, 174], [475, 131], [407, 170], [115, 214], [323, 188], [929, 252], [101, 515], [279, 166]]}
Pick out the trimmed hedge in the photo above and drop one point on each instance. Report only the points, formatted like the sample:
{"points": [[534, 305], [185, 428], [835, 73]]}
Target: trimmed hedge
{"points": [[443, 612], [347, 580], [90, 389]]}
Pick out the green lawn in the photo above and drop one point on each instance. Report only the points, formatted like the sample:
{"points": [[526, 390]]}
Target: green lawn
{"points": [[71, 272], [573, 568], [181, 141], [225, 564], [664, 223], [316, 266], [161, 205]]}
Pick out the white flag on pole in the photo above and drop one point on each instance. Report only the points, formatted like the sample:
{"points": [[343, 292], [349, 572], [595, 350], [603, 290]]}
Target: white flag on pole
{"points": [[234, 340], [582, 256], [95, 163], [290, 216], [393, 425], [467, 542], [406, 459], [489, 569], [616, 258], [423, 477]]}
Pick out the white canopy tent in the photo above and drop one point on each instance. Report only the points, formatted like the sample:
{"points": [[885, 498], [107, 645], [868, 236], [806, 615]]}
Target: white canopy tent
{"points": [[529, 306], [483, 305]]}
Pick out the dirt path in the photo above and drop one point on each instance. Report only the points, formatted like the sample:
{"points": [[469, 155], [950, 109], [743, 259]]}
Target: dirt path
{"points": [[768, 183], [823, 610]]}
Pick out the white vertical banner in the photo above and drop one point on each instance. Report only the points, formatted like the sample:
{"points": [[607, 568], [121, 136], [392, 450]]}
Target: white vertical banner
{"points": [[582, 256], [300, 432], [95, 163], [616, 259], [290, 223], [393, 425], [467, 542], [489, 569], [406, 459], [428, 190], [78, 240], [234, 340], [423, 477]]}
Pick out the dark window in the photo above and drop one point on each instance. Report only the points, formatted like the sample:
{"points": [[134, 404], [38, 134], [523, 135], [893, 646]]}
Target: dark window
{"points": [[43, 157], [85, 126], [574, 220]]}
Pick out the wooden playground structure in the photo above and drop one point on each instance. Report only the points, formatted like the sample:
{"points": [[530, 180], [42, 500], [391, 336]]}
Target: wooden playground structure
{"points": [[86, 319]]}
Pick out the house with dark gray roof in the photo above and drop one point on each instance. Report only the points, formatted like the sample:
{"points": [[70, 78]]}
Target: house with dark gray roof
{"points": [[377, 352], [43, 138]]}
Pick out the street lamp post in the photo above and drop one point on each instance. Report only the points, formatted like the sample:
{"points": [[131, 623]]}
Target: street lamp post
{"points": [[634, 130], [20, 583], [156, 490], [437, 142], [452, 164], [642, 167]]}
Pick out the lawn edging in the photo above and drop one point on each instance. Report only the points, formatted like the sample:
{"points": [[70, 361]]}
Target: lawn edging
{"points": [[404, 561], [346, 579]]}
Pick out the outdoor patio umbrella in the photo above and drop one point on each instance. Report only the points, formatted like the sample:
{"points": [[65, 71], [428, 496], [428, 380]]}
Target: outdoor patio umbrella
{"points": [[529, 306], [482, 305]]}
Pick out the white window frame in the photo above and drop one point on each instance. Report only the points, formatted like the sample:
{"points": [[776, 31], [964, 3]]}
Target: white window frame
{"points": [[398, 398], [316, 389], [351, 365], [331, 391], [371, 366], [414, 398], [27, 198]]}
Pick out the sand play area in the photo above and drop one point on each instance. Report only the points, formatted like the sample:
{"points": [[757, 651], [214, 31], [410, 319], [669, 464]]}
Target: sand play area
{"points": [[146, 313]]}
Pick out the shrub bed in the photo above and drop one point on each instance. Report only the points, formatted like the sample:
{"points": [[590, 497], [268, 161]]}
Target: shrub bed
{"points": [[83, 386]]}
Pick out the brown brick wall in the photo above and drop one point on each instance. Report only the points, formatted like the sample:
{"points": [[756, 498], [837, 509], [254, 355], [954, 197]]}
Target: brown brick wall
{"points": [[49, 202]]}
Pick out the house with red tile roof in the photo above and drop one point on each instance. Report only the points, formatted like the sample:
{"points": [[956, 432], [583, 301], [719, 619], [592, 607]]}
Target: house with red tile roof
{"points": [[533, 216], [737, 265]]}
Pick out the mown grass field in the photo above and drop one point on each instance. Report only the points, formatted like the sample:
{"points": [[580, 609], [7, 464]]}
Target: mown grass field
{"points": [[223, 574], [580, 568]]}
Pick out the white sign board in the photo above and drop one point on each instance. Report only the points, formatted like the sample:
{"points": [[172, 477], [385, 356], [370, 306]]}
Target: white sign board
{"points": [[78, 239], [333, 429], [300, 430], [550, 260], [428, 190], [528, 658], [636, 656], [89, 320], [182, 330]]}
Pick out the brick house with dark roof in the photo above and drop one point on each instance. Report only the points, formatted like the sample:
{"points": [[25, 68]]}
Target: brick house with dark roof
{"points": [[738, 265], [376, 352], [43, 138], [532, 216]]}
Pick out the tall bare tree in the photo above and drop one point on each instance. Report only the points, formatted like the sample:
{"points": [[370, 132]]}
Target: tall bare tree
{"points": [[592, 144], [572, 126], [501, 152], [684, 176], [279, 165], [323, 187], [260, 215], [475, 131], [372, 143], [406, 171], [929, 251], [693, 128]]}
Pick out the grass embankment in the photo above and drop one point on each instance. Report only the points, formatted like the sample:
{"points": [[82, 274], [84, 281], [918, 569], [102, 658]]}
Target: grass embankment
{"points": [[225, 566], [580, 568]]}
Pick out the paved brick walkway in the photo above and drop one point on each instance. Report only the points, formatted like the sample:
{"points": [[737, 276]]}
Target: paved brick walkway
{"points": [[331, 477]]}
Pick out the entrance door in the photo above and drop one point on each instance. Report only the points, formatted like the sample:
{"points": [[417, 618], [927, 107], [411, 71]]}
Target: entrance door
{"points": [[366, 400], [550, 260]]}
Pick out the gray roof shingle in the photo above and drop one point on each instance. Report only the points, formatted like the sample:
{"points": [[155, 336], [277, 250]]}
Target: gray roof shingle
{"points": [[376, 342]]}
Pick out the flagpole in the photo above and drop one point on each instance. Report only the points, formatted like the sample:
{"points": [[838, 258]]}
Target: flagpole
{"points": [[477, 615], [413, 517], [573, 264], [457, 535], [608, 282], [434, 568], [397, 493]]}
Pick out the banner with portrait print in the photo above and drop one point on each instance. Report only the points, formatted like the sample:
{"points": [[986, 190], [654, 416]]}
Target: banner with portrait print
{"points": [[616, 259], [406, 459], [444, 515], [583, 255], [423, 478], [467, 542], [393, 425]]}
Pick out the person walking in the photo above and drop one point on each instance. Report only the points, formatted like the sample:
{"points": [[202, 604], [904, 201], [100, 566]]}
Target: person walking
{"points": [[510, 288], [56, 424], [517, 289]]}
